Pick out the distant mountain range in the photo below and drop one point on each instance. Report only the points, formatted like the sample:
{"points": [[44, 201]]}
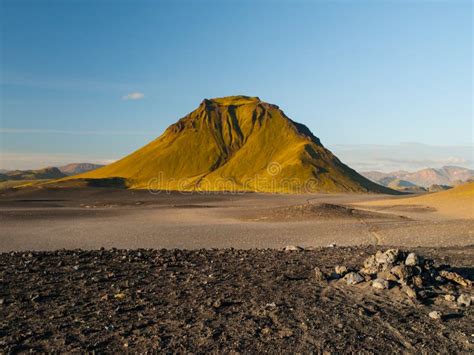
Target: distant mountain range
{"points": [[447, 175], [40, 174], [48, 173], [78, 168]]}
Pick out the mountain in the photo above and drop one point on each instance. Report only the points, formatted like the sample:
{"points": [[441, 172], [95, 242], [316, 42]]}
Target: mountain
{"points": [[236, 143], [41, 174], [78, 168], [437, 188], [400, 185], [396, 183], [447, 175]]}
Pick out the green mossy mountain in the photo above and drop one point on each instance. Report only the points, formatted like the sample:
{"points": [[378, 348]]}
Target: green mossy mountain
{"points": [[236, 143]]}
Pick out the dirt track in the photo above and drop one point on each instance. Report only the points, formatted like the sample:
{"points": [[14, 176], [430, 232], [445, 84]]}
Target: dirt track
{"points": [[218, 300]]}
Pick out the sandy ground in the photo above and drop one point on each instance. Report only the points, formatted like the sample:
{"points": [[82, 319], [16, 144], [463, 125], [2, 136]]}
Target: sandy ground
{"points": [[451, 204], [48, 219]]}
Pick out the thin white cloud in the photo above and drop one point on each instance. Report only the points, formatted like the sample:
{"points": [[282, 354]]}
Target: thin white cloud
{"points": [[405, 156], [134, 96]]}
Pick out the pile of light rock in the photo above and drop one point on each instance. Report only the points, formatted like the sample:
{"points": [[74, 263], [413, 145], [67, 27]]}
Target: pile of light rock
{"points": [[417, 277]]}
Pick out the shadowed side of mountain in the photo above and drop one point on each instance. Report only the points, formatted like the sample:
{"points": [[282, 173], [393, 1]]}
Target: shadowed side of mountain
{"points": [[237, 143]]}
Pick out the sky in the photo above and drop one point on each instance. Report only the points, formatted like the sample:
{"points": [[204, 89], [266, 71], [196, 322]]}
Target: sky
{"points": [[384, 84]]}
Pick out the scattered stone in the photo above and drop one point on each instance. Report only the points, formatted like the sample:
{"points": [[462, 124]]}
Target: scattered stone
{"points": [[319, 275], [401, 272], [417, 281], [340, 270], [353, 278], [367, 277], [426, 293], [464, 300], [285, 333], [35, 298], [452, 276], [450, 298], [410, 292], [120, 296], [293, 248], [435, 315], [412, 260], [388, 257], [370, 266], [380, 284], [386, 275]]}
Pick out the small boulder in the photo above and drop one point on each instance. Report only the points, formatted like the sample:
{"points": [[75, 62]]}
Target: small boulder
{"points": [[435, 315], [400, 271], [426, 293], [412, 260], [452, 276], [390, 256], [417, 281], [370, 266], [353, 278], [410, 292], [340, 270], [380, 284], [464, 300], [386, 275], [450, 298], [293, 248], [318, 274]]}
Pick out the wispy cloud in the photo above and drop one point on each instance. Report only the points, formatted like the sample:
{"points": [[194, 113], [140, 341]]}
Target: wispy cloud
{"points": [[134, 96], [59, 131], [404, 156]]}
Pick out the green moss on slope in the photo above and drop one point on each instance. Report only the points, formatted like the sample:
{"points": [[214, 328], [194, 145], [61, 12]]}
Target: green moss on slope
{"points": [[236, 143]]}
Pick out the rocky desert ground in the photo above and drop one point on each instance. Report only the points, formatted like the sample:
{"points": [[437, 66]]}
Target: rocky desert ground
{"points": [[105, 270], [233, 300]]}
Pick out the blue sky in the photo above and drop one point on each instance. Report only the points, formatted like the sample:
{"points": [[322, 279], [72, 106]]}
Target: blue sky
{"points": [[356, 73]]}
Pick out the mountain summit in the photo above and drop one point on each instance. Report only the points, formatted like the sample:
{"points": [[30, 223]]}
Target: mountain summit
{"points": [[236, 143]]}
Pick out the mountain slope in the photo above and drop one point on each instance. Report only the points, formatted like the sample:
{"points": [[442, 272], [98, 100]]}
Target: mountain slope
{"points": [[236, 143], [400, 185]]}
